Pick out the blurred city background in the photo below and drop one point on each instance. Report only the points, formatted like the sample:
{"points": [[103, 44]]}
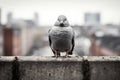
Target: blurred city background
{"points": [[24, 26]]}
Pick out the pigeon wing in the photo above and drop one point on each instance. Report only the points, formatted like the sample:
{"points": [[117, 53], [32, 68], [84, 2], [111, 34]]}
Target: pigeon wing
{"points": [[49, 37], [73, 44], [50, 40]]}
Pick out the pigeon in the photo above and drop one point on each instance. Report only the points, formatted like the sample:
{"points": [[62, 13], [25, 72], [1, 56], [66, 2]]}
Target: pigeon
{"points": [[61, 37]]}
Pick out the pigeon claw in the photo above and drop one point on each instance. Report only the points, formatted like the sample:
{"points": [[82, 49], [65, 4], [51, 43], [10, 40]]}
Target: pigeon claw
{"points": [[67, 55], [56, 55]]}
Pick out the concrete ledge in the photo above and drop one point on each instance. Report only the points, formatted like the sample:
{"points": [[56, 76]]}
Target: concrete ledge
{"points": [[49, 68], [104, 68], [6, 59], [103, 58], [44, 59], [6, 68]]}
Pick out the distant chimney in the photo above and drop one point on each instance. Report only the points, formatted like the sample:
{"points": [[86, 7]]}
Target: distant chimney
{"points": [[36, 19], [9, 19], [0, 16]]}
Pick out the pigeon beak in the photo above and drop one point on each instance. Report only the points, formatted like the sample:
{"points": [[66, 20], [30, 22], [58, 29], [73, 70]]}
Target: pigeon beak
{"points": [[61, 22]]}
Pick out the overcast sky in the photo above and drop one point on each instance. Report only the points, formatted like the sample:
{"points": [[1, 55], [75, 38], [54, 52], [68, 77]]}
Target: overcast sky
{"points": [[49, 10]]}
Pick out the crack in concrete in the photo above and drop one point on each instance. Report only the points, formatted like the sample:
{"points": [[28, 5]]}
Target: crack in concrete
{"points": [[86, 69], [15, 70]]}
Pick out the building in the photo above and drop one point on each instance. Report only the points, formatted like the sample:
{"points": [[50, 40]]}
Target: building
{"points": [[0, 16], [36, 19], [12, 42], [9, 19], [16, 41], [11, 22], [17, 35], [1, 41], [92, 18]]}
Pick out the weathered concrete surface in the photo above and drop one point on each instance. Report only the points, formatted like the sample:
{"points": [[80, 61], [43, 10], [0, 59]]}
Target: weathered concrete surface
{"points": [[104, 68], [48, 68], [6, 68]]}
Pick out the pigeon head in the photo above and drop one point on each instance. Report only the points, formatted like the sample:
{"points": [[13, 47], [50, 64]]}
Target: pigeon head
{"points": [[62, 21]]}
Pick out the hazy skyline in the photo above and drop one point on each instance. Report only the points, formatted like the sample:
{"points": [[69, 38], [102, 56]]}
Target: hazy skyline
{"points": [[49, 10]]}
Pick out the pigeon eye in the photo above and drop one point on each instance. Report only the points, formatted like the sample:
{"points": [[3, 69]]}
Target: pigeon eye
{"points": [[58, 19]]}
